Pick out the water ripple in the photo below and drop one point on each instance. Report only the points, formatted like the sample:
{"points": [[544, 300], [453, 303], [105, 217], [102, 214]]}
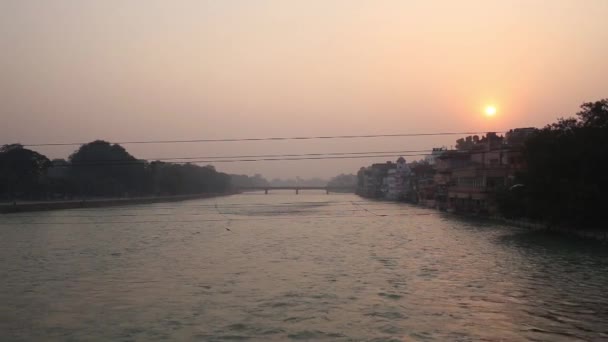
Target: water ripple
{"points": [[427, 277]]}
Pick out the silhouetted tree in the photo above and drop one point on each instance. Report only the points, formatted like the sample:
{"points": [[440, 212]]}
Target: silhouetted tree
{"points": [[567, 163], [58, 181], [22, 172], [100, 168], [179, 179]]}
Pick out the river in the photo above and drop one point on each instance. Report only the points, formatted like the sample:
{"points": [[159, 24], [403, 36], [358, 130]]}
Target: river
{"points": [[284, 267]]}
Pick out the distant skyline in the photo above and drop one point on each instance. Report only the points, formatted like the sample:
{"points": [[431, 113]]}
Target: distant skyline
{"points": [[165, 70]]}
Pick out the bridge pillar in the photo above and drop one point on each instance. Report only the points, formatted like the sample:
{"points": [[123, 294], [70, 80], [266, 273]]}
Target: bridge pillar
{"points": [[266, 191], [297, 191]]}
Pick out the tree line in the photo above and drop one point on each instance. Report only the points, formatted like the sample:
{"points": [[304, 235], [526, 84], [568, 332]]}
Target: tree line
{"points": [[565, 181], [100, 169]]}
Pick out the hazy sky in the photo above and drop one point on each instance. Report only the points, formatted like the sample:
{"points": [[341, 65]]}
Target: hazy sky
{"points": [[80, 70]]}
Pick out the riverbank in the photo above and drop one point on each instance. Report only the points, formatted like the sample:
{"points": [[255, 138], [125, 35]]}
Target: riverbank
{"points": [[594, 234], [541, 227], [20, 207]]}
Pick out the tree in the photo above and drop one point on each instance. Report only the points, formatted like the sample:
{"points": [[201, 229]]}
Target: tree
{"points": [[594, 114], [22, 171], [100, 168], [181, 179], [58, 182], [567, 165]]}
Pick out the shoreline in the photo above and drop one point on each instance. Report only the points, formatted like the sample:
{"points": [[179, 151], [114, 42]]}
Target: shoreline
{"points": [[597, 235], [593, 234], [16, 207]]}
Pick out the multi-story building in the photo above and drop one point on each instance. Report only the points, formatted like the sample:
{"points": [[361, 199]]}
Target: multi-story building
{"points": [[385, 180], [371, 180], [431, 159], [466, 179], [445, 165], [423, 184], [478, 173], [397, 182]]}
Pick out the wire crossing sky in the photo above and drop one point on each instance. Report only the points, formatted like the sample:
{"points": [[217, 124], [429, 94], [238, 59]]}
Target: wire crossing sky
{"points": [[265, 139], [145, 71]]}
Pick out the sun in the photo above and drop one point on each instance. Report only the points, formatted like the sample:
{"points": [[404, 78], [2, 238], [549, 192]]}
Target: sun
{"points": [[490, 111]]}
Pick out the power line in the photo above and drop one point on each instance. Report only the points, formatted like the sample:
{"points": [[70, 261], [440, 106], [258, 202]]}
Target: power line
{"points": [[319, 156], [366, 136], [139, 162], [219, 158], [261, 156]]}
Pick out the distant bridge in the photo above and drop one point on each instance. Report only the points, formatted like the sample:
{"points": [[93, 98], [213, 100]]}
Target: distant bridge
{"points": [[327, 189]]}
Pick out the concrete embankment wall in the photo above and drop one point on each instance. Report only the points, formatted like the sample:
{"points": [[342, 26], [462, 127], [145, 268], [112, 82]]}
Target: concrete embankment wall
{"points": [[19, 207]]}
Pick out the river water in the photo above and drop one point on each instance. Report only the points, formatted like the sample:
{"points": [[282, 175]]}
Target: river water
{"points": [[285, 267]]}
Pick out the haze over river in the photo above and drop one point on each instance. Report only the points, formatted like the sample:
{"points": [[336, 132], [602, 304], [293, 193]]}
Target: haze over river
{"points": [[305, 267]]}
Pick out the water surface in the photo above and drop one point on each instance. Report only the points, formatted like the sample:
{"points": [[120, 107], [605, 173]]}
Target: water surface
{"points": [[286, 267]]}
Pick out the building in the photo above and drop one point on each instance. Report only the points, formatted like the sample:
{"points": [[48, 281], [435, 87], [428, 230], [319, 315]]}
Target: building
{"points": [[473, 176], [423, 184], [443, 179], [371, 181], [389, 185], [397, 184], [466, 179], [431, 159], [403, 180], [385, 180]]}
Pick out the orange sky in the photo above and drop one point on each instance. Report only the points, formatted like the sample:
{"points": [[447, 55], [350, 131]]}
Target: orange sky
{"points": [[152, 69]]}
